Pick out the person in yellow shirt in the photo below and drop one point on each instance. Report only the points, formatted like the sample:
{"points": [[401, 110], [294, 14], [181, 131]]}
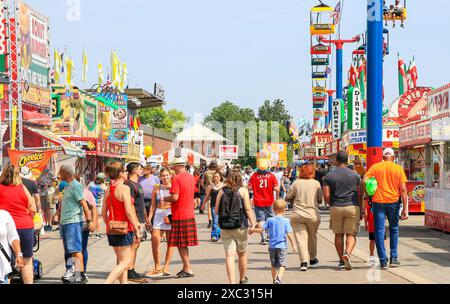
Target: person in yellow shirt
{"points": [[390, 194]]}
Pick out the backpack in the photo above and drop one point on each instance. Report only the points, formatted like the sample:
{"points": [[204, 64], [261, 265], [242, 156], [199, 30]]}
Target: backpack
{"points": [[230, 215]]}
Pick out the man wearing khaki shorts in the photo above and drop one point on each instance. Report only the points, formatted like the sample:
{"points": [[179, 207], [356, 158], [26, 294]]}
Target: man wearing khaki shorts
{"points": [[342, 191]]}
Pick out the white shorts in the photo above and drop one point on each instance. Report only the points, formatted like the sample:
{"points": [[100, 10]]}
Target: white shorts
{"points": [[158, 221]]}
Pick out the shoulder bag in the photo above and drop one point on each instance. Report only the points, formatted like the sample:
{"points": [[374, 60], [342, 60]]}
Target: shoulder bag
{"points": [[11, 259], [116, 227]]}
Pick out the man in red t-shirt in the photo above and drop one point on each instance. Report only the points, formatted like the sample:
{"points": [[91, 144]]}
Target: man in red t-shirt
{"points": [[264, 184], [184, 227]]}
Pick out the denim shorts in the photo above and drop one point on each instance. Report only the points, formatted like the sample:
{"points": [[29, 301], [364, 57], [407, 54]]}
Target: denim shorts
{"points": [[263, 213], [26, 237], [121, 240], [278, 257], [72, 236]]}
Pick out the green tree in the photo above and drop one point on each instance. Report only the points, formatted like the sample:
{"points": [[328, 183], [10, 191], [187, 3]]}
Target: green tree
{"points": [[230, 112], [276, 111], [163, 120]]}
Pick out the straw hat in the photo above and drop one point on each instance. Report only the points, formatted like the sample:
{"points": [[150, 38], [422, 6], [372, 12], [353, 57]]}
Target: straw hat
{"points": [[178, 161]]}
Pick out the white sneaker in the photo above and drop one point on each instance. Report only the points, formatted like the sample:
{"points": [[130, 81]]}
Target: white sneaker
{"points": [[68, 275], [372, 260]]}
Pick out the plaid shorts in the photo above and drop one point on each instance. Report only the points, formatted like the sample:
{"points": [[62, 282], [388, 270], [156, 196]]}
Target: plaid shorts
{"points": [[183, 234]]}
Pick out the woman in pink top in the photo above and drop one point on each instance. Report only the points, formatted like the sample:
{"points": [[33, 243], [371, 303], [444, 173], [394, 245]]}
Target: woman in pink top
{"points": [[118, 201], [15, 199]]}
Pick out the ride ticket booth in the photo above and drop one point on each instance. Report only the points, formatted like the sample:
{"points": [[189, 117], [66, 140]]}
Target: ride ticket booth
{"points": [[415, 139]]}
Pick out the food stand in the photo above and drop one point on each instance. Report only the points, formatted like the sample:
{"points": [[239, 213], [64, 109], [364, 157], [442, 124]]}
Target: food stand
{"points": [[437, 161], [354, 142], [414, 138]]}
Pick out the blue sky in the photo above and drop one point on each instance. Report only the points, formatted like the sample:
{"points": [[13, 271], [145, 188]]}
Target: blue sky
{"points": [[204, 52]]}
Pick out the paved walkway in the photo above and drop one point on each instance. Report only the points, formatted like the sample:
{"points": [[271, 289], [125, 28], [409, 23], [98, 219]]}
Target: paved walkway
{"points": [[424, 253]]}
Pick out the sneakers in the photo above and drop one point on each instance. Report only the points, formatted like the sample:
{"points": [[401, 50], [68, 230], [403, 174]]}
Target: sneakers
{"points": [[372, 260], [209, 224], [314, 263], [214, 239], [77, 278], [134, 276], [394, 262], [98, 236], [384, 266], [48, 228], [347, 261], [277, 281], [341, 265], [66, 278], [244, 282], [264, 242], [304, 267]]}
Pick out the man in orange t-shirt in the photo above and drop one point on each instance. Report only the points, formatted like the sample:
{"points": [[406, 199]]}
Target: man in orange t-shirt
{"points": [[390, 194]]}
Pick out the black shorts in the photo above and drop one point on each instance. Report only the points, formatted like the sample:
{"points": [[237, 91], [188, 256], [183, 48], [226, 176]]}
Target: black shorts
{"points": [[26, 242], [197, 195], [372, 236], [121, 240]]}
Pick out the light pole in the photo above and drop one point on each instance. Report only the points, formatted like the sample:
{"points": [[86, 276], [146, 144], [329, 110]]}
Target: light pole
{"points": [[374, 82]]}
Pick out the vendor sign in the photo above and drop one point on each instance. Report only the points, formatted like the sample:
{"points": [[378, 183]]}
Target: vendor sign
{"points": [[338, 110], [119, 120], [391, 134], [35, 161], [415, 134], [439, 101], [34, 46], [413, 105], [355, 107], [440, 129]]}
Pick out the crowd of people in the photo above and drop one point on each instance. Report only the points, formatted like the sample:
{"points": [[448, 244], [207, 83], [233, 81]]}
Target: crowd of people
{"points": [[134, 200]]}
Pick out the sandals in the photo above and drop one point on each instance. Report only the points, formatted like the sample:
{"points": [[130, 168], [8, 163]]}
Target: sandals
{"points": [[183, 275], [154, 273]]}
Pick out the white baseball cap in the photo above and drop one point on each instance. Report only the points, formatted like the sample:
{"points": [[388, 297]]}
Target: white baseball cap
{"points": [[388, 152]]}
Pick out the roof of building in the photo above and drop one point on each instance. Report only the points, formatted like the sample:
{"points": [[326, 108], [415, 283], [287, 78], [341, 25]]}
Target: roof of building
{"points": [[199, 132], [148, 130]]}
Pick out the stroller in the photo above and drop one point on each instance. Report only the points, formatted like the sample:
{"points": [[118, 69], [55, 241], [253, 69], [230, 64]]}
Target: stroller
{"points": [[37, 265]]}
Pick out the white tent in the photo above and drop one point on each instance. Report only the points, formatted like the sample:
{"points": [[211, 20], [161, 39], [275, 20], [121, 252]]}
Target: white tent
{"points": [[190, 156], [200, 133]]}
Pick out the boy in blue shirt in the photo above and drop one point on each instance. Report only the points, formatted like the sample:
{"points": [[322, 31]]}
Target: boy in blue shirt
{"points": [[279, 227]]}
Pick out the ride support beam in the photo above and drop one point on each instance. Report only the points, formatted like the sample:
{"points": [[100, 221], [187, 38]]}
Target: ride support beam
{"points": [[339, 44], [374, 82], [330, 108]]}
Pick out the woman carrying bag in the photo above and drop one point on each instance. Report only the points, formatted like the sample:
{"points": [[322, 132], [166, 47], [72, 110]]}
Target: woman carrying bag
{"points": [[121, 220], [234, 210], [8, 237]]}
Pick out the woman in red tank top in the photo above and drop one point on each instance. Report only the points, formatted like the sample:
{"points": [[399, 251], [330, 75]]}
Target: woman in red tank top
{"points": [[119, 208], [15, 198]]}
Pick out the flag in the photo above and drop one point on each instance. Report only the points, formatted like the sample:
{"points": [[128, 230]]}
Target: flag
{"points": [[362, 78], [114, 69], [413, 75], [84, 71], [402, 77], [352, 75], [69, 71], [124, 77], [336, 14], [136, 124], [100, 74], [56, 66]]}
